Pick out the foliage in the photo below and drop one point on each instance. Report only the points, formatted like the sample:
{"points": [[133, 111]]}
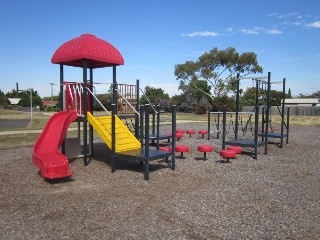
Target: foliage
{"points": [[177, 100], [224, 101], [315, 94], [249, 95], [4, 101], [25, 99], [13, 94], [55, 98], [219, 69], [155, 96], [289, 95], [106, 101]]}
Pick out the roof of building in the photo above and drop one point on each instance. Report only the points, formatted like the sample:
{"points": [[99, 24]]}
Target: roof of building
{"points": [[49, 103], [14, 101], [301, 101], [96, 51]]}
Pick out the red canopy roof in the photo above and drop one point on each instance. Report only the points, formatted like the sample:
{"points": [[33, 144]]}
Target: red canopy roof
{"points": [[98, 53]]}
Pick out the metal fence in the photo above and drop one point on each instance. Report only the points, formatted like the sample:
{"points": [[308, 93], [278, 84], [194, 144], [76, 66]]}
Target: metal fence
{"points": [[294, 110]]}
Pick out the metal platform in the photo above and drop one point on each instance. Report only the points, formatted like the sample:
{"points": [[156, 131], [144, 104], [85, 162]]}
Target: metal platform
{"points": [[140, 154], [273, 135], [245, 143], [161, 136]]}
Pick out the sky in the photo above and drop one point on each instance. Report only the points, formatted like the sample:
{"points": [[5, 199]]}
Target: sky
{"points": [[154, 36]]}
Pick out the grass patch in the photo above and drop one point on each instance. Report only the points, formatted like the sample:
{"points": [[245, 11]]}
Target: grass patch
{"points": [[18, 140], [41, 118]]}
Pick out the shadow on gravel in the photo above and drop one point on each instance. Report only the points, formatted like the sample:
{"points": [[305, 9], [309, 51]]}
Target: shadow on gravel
{"points": [[102, 153]]}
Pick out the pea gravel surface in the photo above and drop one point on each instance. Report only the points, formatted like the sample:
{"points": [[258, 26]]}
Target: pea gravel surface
{"points": [[276, 196]]}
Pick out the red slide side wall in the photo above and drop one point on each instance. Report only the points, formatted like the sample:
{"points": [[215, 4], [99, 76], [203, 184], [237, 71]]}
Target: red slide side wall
{"points": [[46, 152]]}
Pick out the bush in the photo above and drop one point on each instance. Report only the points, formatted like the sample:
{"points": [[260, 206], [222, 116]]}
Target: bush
{"points": [[221, 101], [202, 106]]}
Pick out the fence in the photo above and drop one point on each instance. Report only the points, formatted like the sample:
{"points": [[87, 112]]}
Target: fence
{"points": [[294, 110]]}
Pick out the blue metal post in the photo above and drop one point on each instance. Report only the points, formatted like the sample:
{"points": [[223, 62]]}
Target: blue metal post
{"points": [[146, 144]]}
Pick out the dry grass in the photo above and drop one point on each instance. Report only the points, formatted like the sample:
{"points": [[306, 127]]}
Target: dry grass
{"points": [[40, 119]]}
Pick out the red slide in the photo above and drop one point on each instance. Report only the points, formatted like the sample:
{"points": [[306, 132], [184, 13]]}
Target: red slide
{"points": [[46, 152]]}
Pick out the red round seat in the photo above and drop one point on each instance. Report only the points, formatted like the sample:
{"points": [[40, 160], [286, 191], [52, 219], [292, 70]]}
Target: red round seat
{"points": [[227, 154], [182, 149], [205, 148], [166, 149], [203, 132], [237, 149], [179, 135], [180, 131], [190, 132]]}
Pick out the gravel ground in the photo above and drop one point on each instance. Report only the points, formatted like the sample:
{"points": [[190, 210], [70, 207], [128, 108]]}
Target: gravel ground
{"points": [[274, 197]]}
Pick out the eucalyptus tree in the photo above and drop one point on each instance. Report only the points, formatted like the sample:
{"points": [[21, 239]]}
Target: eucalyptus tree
{"points": [[219, 69]]}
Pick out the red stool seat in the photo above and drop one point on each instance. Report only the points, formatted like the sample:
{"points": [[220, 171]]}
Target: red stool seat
{"points": [[190, 132], [227, 154], [179, 135], [182, 149], [179, 131], [203, 132], [205, 148], [237, 149], [165, 149]]}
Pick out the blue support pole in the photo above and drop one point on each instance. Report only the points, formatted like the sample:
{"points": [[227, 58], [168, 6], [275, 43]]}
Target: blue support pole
{"points": [[146, 144], [174, 112], [113, 138], [85, 133]]}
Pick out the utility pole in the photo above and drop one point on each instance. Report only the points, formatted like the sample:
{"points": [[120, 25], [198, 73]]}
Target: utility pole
{"points": [[51, 90]]}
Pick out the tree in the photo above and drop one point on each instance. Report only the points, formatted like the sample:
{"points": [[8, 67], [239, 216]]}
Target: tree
{"points": [[25, 99], [316, 94], [289, 95], [219, 69], [4, 101], [196, 96], [155, 96], [106, 101]]}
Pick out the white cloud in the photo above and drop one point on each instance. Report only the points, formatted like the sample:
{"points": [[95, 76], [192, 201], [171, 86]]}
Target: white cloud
{"points": [[272, 14], [274, 31], [201, 34], [229, 29], [258, 30], [313, 25], [298, 23], [253, 31]]}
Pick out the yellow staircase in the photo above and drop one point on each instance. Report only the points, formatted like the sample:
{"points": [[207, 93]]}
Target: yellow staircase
{"points": [[125, 140]]}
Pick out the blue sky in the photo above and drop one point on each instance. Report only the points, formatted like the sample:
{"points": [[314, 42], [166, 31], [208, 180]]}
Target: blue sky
{"points": [[154, 36]]}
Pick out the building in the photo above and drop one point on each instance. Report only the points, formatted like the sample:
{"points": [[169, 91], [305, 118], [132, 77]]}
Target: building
{"points": [[302, 102], [14, 101], [49, 103]]}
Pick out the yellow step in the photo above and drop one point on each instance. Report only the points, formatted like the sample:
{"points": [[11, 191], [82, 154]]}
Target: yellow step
{"points": [[125, 140]]}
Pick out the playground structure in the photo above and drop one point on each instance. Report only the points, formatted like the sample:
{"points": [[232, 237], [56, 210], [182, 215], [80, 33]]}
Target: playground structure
{"points": [[235, 119], [89, 52]]}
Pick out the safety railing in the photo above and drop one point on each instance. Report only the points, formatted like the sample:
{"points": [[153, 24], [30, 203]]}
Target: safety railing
{"points": [[74, 98]]}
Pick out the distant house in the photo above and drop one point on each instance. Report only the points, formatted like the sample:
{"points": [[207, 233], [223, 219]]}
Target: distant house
{"points": [[302, 102], [14, 101], [49, 103]]}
